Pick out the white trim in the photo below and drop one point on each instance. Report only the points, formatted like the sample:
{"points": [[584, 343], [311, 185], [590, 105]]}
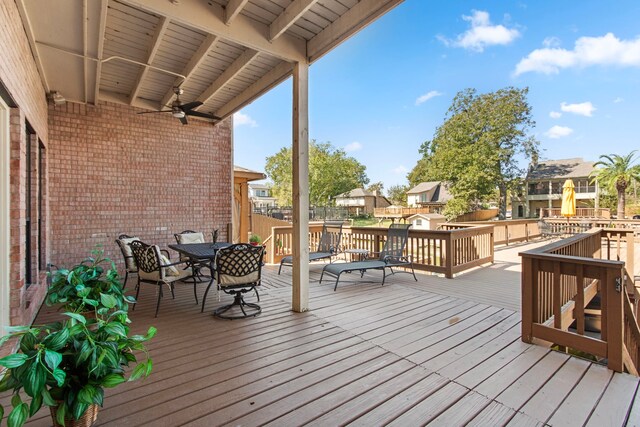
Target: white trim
{"points": [[5, 228]]}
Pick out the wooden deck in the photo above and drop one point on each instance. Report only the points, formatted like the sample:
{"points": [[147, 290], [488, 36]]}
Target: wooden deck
{"points": [[438, 352]]}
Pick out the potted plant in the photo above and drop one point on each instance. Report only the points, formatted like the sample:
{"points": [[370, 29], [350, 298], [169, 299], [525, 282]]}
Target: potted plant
{"points": [[87, 286], [255, 240], [67, 365]]}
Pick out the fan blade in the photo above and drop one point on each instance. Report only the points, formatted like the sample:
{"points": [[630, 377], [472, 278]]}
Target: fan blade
{"points": [[183, 120], [190, 105], [200, 114], [151, 112]]}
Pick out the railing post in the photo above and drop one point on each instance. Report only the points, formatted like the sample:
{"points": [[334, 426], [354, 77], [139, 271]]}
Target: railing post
{"points": [[614, 288], [527, 299], [449, 255], [630, 258], [271, 255]]}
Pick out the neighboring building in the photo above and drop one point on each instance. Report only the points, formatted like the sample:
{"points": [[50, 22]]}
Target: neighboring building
{"points": [[361, 202], [429, 221], [543, 187], [433, 195], [260, 195]]}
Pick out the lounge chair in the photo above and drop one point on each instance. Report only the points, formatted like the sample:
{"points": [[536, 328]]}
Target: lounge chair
{"points": [[391, 256], [328, 246]]}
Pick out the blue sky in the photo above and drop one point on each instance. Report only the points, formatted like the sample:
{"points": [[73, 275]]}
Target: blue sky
{"points": [[383, 92]]}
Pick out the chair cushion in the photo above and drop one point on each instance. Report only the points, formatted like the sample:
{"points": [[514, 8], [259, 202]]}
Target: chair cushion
{"points": [[338, 268], [191, 238], [170, 270], [227, 280], [154, 276], [130, 263]]}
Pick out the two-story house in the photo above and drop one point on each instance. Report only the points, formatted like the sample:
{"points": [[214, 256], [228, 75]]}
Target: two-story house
{"points": [[432, 195], [260, 195], [543, 187], [361, 202]]}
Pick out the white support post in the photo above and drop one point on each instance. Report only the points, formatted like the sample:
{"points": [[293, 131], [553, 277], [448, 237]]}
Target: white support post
{"points": [[300, 279]]}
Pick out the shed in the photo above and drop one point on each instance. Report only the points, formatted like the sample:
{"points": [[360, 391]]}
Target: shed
{"points": [[427, 221]]}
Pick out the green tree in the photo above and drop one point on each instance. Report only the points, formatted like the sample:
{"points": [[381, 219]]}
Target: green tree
{"points": [[478, 147], [376, 186], [331, 172], [397, 194], [616, 173]]}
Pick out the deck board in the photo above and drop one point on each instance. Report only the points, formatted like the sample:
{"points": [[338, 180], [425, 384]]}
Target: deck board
{"points": [[441, 351]]}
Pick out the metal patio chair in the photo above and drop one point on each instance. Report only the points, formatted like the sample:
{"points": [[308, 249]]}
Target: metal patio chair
{"points": [[328, 246], [130, 266]]}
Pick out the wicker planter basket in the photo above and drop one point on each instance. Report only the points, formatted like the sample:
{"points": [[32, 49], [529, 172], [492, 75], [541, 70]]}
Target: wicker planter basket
{"points": [[86, 420]]}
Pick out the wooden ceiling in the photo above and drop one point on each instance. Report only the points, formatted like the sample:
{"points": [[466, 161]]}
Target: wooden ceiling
{"points": [[222, 53]]}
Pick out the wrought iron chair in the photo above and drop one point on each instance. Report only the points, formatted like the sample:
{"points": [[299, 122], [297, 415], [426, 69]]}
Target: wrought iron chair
{"points": [[130, 266], [328, 246], [190, 236], [156, 269], [238, 271], [392, 255]]}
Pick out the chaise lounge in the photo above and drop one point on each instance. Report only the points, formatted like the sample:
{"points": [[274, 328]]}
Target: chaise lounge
{"points": [[390, 256], [328, 246]]}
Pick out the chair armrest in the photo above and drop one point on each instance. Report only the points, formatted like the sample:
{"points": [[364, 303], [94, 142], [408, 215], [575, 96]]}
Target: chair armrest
{"points": [[166, 253]]}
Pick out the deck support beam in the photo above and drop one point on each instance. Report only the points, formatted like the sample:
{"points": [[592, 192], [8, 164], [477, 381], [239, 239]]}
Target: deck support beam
{"points": [[300, 279]]}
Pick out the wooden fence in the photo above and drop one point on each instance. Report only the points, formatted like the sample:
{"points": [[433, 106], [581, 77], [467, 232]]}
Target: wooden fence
{"points": [[580, 212], [440, 251], [560, 279], [480, 215]]}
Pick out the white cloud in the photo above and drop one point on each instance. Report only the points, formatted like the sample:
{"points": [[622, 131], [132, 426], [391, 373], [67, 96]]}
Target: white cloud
{"points": [[555, 114], [241, 119], [354, 146], [583, 109], [427, 96], [588, 51], [482, 33], [618, 100], [559, 132], [400, 170]]}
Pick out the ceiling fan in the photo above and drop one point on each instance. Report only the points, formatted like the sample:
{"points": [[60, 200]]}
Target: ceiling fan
{"points": [[181, 111]]}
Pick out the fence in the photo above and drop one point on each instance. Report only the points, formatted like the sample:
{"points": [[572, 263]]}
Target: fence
{"points": [[440, 251], [560, 279], [580, 213], [480, 215]]}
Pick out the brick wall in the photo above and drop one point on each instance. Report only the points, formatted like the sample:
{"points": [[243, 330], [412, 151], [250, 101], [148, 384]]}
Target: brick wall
{"points": [[113, 172], [19, 76]]}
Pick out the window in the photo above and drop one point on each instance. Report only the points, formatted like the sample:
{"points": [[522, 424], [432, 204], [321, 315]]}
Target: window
{"points": [[34, 211], [418, 222]]}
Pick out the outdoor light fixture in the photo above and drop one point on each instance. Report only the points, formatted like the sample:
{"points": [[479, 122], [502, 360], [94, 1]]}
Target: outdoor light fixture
{"points": [[56, 97], [177, 113]]}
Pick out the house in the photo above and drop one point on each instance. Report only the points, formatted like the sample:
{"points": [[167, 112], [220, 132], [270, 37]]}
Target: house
{"points": [[88, 147], [429, 221], [543, 187], [361, 202], [261, 198], [433, 195]]}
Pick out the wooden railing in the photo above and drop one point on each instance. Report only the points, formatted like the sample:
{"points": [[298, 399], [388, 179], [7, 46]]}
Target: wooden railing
{"points": [[560, 279], [580, 212], [504, 232], [440, 251]]}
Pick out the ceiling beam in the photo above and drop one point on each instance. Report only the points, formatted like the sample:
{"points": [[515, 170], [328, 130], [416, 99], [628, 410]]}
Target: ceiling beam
{"points": [[234, 7], [198, 58], [229, 74], [28, 29], [352, 21], [273, 78], [163, 24], [288, 17], [102, 26], [209, 17]]}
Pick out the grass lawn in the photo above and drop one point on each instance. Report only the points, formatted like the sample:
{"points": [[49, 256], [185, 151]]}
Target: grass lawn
{"points": [[370, 222]]}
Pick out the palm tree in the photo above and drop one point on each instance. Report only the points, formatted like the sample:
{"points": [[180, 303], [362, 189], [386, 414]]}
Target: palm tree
{"points": [[616, 173]]}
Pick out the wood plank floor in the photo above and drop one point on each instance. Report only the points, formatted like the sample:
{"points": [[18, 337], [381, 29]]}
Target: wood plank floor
{"points": [[404, 354]]}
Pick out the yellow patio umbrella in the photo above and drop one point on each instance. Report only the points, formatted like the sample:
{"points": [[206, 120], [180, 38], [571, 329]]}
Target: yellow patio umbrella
{"points": [[568, 200]]}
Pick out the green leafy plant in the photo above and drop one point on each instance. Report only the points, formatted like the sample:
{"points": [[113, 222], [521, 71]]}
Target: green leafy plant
{"points": [[69, 364], [254, 238], [92, 285]]}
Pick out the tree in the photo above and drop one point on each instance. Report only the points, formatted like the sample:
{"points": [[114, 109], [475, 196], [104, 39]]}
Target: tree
{"points": [[616, 174], [376, 186], [398, 194], [331, 172], [479, 146]]}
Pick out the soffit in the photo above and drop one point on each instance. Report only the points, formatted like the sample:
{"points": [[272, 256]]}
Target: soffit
{"points": [[222, 53]]}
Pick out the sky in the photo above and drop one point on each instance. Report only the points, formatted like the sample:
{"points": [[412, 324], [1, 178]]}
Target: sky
{"points": [[383, 92]]}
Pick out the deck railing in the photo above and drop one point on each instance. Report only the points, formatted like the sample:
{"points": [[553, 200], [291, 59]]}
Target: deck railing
{"points": [[504, 232], [440, 251], [560, 279], [580, 212]]}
